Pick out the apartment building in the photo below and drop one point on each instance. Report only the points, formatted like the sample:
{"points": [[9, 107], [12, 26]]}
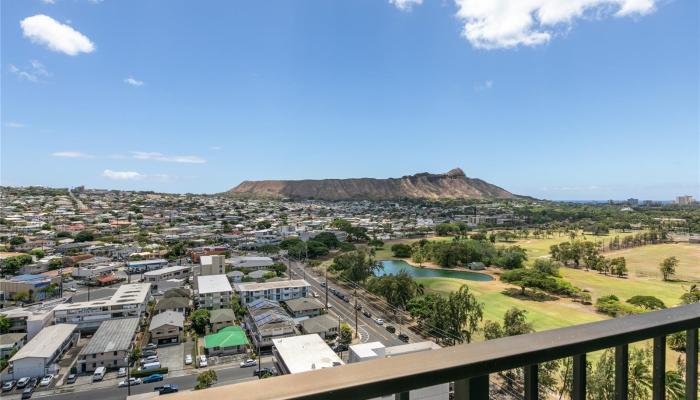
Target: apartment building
{"points": [[129, 301], [164, 274], [303, 353], [275, 291], [213, 292], [212, 265], [110, 346]]}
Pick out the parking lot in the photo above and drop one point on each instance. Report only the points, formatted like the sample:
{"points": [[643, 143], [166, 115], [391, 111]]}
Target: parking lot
{"points": [[172, 356]]}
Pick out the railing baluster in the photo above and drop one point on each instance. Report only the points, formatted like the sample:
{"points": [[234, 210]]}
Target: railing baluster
{"points": [[476, 388], [402, 396], [691, 364], [621, 371], [579, 386], [531, 380], [659, 369]]}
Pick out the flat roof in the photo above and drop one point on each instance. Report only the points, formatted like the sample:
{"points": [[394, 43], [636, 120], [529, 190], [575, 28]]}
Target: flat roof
{"points": [[112, 335], [305, 353], [146, 262], [46, 342], [255, 286], [129, 293], [166, 270], [213, 284]]}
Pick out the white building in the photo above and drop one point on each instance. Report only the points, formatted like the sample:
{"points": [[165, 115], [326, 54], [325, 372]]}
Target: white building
{"points": [[213, 292], [303, 353], [39, 356], [130, 300], [252, 263], [212, 265], [376, 350], [275, 291], [164, 274]]}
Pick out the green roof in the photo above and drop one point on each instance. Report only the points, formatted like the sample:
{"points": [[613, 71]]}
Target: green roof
{"points": [[226, 337]]}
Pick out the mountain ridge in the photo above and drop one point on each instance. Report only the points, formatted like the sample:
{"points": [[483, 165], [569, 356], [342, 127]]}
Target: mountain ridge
{"points": [[450, 185]]}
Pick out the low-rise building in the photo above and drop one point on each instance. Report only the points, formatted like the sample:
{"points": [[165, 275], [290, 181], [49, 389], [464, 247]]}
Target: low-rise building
{"points": [[142, 266], [164, 274], [212, 265], [40, 355], [303, 353], [275, 291], [227, 341], [221, 318], [325, 325], [129, 301], [110, 346], [167, 327], [250, 263], [176, 304], [304, 307], [34, 285], [266, 320], [213, 291], [11, 342]]}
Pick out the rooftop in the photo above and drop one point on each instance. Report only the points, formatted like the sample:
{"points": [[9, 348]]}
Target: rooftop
{"points": [[46, 342], [173, 318], [303, 304], [166, 270], [254, 286], [226, 337], [130, 293], [112, 335], [213, 284], [305, 353]]}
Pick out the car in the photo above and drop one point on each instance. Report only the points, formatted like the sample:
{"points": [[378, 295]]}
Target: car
{"points": [[72, 289], [22, 382], [403, 337], [150, 346], [314, 294], [149, 359], [46, 381], [165, 389], [33, 382], [366, 313], [71, 379], [28, 392], [390, 328], [130, 382], [379, 321], [323, 284], [346, 299], [340, 347], [121, 373], [358, 307], [202, 361], [264, 371], [153, 378], [248, 363], [188, 359], [149, 353], [9, 385]]}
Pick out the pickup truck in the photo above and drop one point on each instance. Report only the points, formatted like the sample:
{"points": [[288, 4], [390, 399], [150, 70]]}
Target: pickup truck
{"points": [[165, 389]]}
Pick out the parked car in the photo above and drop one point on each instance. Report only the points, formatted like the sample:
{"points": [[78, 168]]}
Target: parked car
{"points": [[46, 381], [149, 353], [165, 389], [264, 371], [153, 378], [22, 382], [150, 346], [390, 328], [149, 359], [121, 373], [340, 347], [9, 385], [379, 321], [188, 359], [33, 382], [28, 392], [72, 289], [131, 381], [358, 307], [248, 363], [403, 337], [323, 284], [202, 361], [366, 313], [71, 379]]}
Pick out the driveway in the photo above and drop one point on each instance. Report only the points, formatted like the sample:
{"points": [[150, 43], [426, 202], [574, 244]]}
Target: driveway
{"points": [[172, 356]]}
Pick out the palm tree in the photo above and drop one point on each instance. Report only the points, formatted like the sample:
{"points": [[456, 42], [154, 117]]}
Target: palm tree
{"points": [[675, 386]]}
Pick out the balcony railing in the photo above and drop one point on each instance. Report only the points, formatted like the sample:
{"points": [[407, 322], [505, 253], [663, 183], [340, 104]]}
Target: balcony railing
{"points": [[469, 365]]}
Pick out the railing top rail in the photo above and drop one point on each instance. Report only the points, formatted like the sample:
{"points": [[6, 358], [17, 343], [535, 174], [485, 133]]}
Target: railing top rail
{"points": [[412, 371]]}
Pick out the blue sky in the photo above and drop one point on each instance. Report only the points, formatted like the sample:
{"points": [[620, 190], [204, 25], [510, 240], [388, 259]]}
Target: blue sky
{"points": [[536, 96]]}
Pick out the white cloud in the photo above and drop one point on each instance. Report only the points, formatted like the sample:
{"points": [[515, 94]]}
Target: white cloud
{"points": [[485, 85], [48, 1], [34, 73], [14, 125], [133, 82], [59, 37], [147, 155], [491, 24], [215, 148], [95, 1], [405, 5], [123, 175], [71, 154]]}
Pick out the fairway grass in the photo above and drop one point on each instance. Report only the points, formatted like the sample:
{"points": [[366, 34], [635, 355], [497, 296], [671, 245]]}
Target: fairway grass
{"points": [[644, 261]]}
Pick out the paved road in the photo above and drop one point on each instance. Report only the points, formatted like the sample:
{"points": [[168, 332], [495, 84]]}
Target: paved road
{"points": [[369, 330], [226, 376]]}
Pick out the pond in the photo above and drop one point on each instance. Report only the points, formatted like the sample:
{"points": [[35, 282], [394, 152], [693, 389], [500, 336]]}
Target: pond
{"points": [[394, 266]]}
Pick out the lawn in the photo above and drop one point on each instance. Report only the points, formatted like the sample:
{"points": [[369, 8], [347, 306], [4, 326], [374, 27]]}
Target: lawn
{"points": [[644, 261], [540, 247], [543, 315], [385, 252]]}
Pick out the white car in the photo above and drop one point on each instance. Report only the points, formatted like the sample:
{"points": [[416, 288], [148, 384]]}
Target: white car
{"points": [[202, 361], [72, 289], [188, 359], [133, 381], [248, 363], [379, 321], [121, 373], [46, 381]]}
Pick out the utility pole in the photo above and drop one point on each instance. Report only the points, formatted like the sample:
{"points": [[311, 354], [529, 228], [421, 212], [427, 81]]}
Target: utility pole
{"points": [[128, 370], [89, 290], [289, 265], [326, 283], [356, 313]]}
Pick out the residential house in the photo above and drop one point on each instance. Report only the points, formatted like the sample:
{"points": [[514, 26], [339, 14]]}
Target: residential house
{"points": [[324, 325], [221, 318], [304, 307], [227, 341], [167, 327]]}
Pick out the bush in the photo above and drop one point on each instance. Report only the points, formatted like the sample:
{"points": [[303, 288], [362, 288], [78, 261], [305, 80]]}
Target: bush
{"points": [[647, 302], [612, 306], [401, 250]]}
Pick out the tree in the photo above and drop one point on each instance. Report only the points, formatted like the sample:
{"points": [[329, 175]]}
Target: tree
{"points": [[200, 320], [647, 302], [547, 266], [22, 297], [84, 236], [17, 240], [692, 296], [38, 253], [401, 250], [345, 336], [674, 385], [354, 266], [492, 330], [135, 355], [515, 322], [263, 224], [55, 263], [668, 267], [236, 305], [397, 289], [316, 248], [618, 266], [327, 238], [4, 324], [206, 379], [511, 257]]}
